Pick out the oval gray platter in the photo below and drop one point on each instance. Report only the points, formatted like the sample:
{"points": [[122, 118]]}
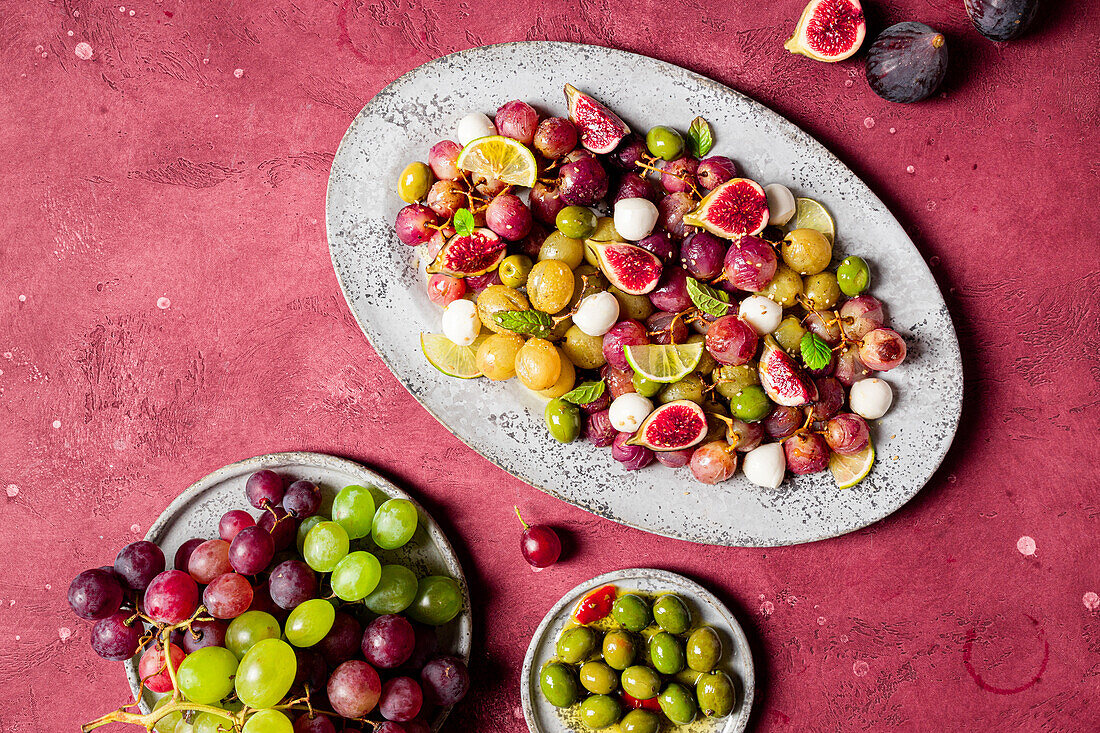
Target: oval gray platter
{"points": [[383, 282], [542, 717], [195, 513]]}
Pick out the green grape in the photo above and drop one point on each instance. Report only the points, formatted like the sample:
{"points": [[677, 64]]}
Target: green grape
{"points": [[266, 673], [210, 723], [167, 724], [206, 675], [268, 721], [249, 628], [184, 727], [307, 524], [355, 576], [395, 591], [353, 509], [438, 600], [394, 524], [308, 623], [326, 544]]}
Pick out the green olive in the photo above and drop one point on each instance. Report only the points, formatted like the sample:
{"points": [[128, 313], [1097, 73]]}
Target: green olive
{"points": [[414, 183], [704, 649], [784, 287], [600, 711], [716, 694], [598, 678], [631, 611], [646, 387], [575, 645], [588, 281], [563, 420], [789, 333], [853, 276], [514, 270], [576, 222], [665, 653], [677, 704], [619, 649], [641, 683], [729, 380], [558, 685], [821, 290], [751, 404], [557, 246], [638, 307], [605, 231], [583, 350], [706, 364], [672, 614], [664, 142], [640, 721], [688, 388]]}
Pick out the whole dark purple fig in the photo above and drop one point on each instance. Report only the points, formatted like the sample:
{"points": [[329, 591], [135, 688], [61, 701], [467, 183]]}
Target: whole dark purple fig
{"points": [[907, 62], [1001, 20]]}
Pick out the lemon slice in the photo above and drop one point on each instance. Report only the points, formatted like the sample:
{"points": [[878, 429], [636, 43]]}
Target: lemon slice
{"points": [[450, 358], [664, 363], [500, 157], [850, 470], [809, 214]]}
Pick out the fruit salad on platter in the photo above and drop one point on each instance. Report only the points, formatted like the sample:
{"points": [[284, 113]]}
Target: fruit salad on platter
{"points": [[662, 303]]}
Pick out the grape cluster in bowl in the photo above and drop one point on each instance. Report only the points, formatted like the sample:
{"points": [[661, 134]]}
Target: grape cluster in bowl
{"points": [[286, 622], [663, 305]]}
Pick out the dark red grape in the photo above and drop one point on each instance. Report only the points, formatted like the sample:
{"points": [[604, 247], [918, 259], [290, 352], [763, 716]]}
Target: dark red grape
{"points": [[882, 349], [599, 404], [582, 182], [598, 429], [442, 290], [631, 151], [445, 681], [389, 726], [678, 175], [674, 458], [227, 596], [291, 583], [714, 171], [806, 453], [849, 369], [353, 689], [861, 315], [749, 434], [671, 293], [401, 699], [209, 560], [95, 594], [545, 202], [232, 522], [443, 160], [266, 487], [635, 186], [261, 601], [171, 597], [282, 527], [666, 328], [830, 396], [703, 255], [847, 434], [660, 244], [477, 283], [138, 563], [750, 264], [823, 325], [783, 422], [343, 640], [445, 198], [316, 724], [251, 550], [183, 554], [619, 381], [417, 726], [622, 334], [153, 667], [388, 641], [114, 639], [555, 136], [731, 341], [202, 634], [311, 671], [540, 546], [633, 457], [303, 498], [509, 217], [671, 211], [578, 154], [517, 120], [426, 647]]}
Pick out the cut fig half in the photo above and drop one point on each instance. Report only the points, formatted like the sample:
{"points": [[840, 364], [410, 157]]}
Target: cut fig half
{"points": [[781, 379], [466, 255], [601, 130], [829, 30], [629, 268], [675, 426], [735, 208]]}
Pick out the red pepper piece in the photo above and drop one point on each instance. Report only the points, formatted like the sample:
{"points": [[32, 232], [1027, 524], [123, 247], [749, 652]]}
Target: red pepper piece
{"points": [[634, 703], [595, 605]]}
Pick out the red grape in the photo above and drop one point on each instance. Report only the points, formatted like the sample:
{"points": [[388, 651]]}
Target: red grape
{"points": [[671, 211], [823, 324], [671, 293], [666, 328], [622, 334], [598, 430], [427, 643], [509, 217], [554, 137], [343, 640], [713, 462], [95, 594], [477, 283], [619, 381], [353, 689], [861, 315], [517, 120], [443, 290], [445, 198], [183, 554], [731, 341], [582, 182], [171, 597], [227, 596], [303, 498], [312, 669], [703, 255], [674, 458], [445, 681], [401, 699], [291, 583], [261, 601], [251, 550], [202, 634], [635, 186], [750, 264], [545, 202], [882, 349], [115, 639], [265, 487], [849, 369], [138, 563], [631, 151], [153, 669], [316, 724], [388, 641], [209, 560], [714, 171], [783, 422], [806, 453], [282, 527], [232, 522], [633, 457], [660, 244], [540, 546], [830, 397], [413, 227], [678, 175], [847, 434], [749, 434], [443, 160]]}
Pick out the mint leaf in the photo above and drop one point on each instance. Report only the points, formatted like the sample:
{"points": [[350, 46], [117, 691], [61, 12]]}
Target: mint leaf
{"points": [[700, 137], [710, 300], [531, 322], [587, 392], [815, 352], [464, 222]]}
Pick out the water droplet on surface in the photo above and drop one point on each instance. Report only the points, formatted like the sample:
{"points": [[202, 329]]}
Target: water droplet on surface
{"points": [[135, 527], [767, 608], [12, 491], [38, 48], [1091, 600], [869, 122], [893, 130], [820, 620], [164, 303], [1026, 546], [131, 13], [238, 73], [934, 260], [83, 51], [64, 632], [70, 34], [860, 668], [22, 299], [56, 424], [910, 169], [848, 82], [49, 587]]}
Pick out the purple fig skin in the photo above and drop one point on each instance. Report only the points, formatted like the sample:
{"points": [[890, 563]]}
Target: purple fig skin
{"points": [[1001, 20], [600, 129], [633, 457], [675, 458], [598, 430], [907, 62]]}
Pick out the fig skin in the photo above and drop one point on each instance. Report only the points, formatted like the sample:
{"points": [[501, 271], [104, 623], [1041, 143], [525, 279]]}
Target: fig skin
{"points": [[1001, 20], [907, 62]]}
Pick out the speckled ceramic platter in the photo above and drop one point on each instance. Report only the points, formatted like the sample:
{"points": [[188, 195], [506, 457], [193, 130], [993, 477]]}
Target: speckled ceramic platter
{"points": [[542, 717], [195, 513], [383, 282]]}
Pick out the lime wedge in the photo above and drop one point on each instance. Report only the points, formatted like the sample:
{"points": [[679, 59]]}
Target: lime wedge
{"points": [[850, 470], [809, 214], [664, 363], [450, 358], [502, 158]]}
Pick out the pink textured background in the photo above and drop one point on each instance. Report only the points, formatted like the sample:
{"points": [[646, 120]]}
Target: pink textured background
{"points": [[167, 306]]}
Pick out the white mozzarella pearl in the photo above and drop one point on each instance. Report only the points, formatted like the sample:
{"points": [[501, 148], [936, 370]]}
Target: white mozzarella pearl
{"points": [[635, 218], [781, 205], [628, 411], [461, 323], [473, 126], [597, 313], [871, 398], [766, 465], [763, 314]]}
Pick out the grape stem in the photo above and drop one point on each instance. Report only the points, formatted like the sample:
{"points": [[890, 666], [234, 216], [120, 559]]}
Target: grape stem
{"points": [[525, 525]]}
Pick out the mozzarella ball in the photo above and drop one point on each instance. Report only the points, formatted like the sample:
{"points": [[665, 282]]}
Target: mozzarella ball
{"points": [[635, 218], [628, 411], [763, 314], [871, 398], [766, 465], [473, 126], [781, 205], [597, 313], [461, 323]]}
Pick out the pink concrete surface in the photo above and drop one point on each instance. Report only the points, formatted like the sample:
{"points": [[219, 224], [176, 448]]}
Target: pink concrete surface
{"points": [[167, 306]]}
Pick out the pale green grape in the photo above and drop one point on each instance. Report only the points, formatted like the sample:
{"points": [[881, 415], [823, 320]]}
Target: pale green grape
{"points": [[167, 724], [268, 721], [353, 509], [396, 589], [355, 576], [394, 524], [309, 622], [303, 529], [249, 628], [266, 673], [184, 727], [206, 675], [210, 723], [326, 544]]}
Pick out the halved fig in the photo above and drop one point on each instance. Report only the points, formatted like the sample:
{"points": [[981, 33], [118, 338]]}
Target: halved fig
{"points": [[466, 255], [829, 30], [781, 378], [675, 426], [601, 129], [631, 269], [732, 210]]}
